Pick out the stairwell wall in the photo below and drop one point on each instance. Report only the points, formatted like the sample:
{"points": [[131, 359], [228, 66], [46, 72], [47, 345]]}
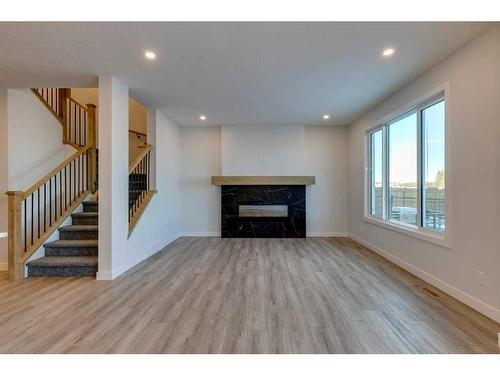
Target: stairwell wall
{"points": [[31, 146]]}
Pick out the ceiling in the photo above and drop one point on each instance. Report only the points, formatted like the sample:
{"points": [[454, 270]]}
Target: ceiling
{"points": [[234, 73]]}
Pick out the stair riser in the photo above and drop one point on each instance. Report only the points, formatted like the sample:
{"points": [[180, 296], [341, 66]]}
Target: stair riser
{"points": [[34, 271], [85, 220], [78, 235], [90, 207], [70, 251]]}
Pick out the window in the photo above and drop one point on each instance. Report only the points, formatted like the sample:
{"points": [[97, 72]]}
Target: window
{"points": [[406, 168], [403, 170], [433, 167]]}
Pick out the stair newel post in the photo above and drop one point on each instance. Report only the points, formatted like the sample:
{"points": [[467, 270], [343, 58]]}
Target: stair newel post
{"points": [[62, 96], [92, 165], [14, 231]]}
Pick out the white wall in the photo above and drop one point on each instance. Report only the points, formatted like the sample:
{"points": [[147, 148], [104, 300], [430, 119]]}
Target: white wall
{"points": [[263, 150], [473, 115], [328, 200], [200, 201], [260, 150], [3, 179], [160, 223], [34, 139], [31, 146]]}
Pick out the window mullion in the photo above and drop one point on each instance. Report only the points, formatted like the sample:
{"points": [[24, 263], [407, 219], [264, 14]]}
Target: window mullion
{"points": [[420, 169], [385, 171]]}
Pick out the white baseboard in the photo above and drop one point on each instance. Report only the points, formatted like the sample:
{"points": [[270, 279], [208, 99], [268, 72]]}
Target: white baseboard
{"points": [[327, 234], [104, 275], [485, 309], [4, 266], [309, 234], [199, 234]]}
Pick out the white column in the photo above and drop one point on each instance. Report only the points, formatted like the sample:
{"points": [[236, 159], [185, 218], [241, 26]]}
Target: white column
{"points": [[113, 174], [3, 179]]}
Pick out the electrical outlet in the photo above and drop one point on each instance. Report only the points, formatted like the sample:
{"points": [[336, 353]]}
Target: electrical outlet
{"points": [[480, 277]]}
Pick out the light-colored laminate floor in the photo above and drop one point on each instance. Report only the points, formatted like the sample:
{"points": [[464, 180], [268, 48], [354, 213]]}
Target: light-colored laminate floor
{"points": [[212, 295]]}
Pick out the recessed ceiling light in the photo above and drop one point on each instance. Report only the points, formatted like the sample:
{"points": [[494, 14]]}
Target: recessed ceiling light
{"points": [[388, 52], [203, 117], [150, 55], [326, 117]]}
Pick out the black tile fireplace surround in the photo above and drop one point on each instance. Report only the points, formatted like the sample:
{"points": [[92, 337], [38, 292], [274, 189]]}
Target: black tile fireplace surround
{"points": [[286, 219]]}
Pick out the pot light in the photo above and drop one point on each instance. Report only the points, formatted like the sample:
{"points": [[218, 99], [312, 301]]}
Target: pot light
{"points": [[203, 117], [326, 117], [150, 55], [388, 52]]}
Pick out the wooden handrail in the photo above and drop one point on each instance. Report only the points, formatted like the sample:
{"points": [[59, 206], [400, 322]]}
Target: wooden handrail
{"points": [[78, 104], [138, 159], [52, 173], [137, 133]]}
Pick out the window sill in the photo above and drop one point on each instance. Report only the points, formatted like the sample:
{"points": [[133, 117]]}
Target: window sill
{"points": [[435, 239]]}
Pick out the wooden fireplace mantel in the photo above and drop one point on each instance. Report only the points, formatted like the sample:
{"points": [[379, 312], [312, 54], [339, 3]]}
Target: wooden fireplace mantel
{"points": [[263, 180]]}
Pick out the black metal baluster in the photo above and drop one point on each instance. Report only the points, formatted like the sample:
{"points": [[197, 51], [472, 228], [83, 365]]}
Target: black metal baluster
{"points": [[65, 188], [68, 123], [70, 179], [38, 212], [143, 163], [79, 124], [44, 207], [31, 196], [25, 237], [87, 170], [55, 197], [85, 117], [50, 202], [74, 121], [60, 193], [78, 176]]}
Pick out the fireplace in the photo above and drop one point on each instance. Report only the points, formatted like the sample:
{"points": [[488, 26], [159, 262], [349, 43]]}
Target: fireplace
{"points": [[263, 206]]}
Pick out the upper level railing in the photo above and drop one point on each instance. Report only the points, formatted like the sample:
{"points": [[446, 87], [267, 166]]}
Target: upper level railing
{"points": [[54, 99], [73, 116]]}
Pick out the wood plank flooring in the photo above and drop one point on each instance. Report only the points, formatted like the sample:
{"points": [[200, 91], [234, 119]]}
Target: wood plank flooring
{"points": [[213, 295]]}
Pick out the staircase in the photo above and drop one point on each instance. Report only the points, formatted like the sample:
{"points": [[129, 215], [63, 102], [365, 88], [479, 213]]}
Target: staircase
{"points": [[39, 211], [75, 253]]}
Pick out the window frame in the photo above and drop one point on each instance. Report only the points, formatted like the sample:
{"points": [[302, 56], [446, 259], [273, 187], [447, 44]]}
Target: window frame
{"points": [[419, 231]]}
